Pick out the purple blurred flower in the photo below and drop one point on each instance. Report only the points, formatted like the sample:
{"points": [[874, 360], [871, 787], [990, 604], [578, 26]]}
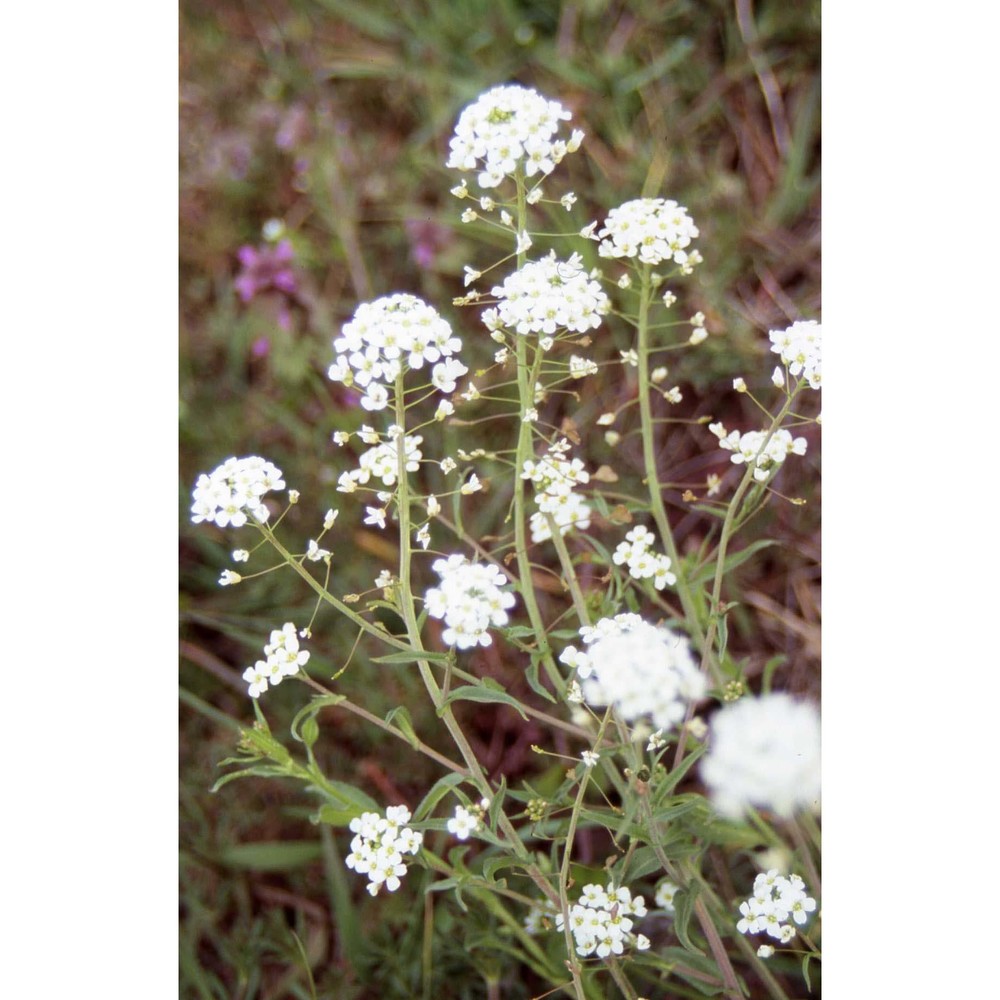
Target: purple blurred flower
{"points": [[266, 269], [427, 239]]}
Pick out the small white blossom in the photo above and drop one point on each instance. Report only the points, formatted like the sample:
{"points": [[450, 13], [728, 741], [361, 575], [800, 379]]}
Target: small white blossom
{"points": [[329, 518], [283, 657], [463, 823], [664, 897], [590, 758], [229, 578], [472, 486], [376, 516], [314, 553], [568, 200], [423, 536], [240, 555]]}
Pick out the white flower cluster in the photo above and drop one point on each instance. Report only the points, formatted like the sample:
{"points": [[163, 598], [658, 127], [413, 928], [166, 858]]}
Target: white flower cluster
{"points": [[749, 448], [379, 845], [385, 334], [469, 600], [236, 488], [581, 367], [637, 552], [801, 349], [554, 477], [508, 127], [601, 923], [652, 229], [775, 899], [382, 462], [282, 658], [548, 295], [639, 668], [764, 752]]}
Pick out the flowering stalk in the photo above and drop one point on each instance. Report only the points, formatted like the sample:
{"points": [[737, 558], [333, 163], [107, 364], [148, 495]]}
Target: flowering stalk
{"points": [[525, 391], [567, 852], [444, 711], [652, 475]]}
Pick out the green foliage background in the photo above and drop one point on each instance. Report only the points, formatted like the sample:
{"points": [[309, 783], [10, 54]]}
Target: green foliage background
{"points": [[672, 97]]}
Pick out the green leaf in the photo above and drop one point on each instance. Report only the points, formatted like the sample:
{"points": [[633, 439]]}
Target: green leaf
{"points": [[707, 571], [351, 796], [683, 908], [485, 693], [534, 682], [805, 970], [497, 803], [400, 717], [412, 656], [271, 856], [492, 865], [309, 712], [438, 791]]}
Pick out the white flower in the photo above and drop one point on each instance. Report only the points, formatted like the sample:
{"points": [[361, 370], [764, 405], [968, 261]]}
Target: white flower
{"points": [[229, 578], [283, 657], [423, 536], [469, 599], [314, 553], [463, 823], [778, 378], [664, 897], [764, 752], [506, 128], [233, 490], [656, 742], [652, 229], [801, 349], [590, 758], [568, 200], [448, 465], [376, 516], [765, 951], [329, 518], [642, 670], [379, 845], [240, 555], [643, 562], [739, 385], [698, 335], [256, 677], [444, 375], [580, 367], [601, 921], [472, 486], [385, 337], [549, 295], [767, 910], [750, 448], [530, 415]]}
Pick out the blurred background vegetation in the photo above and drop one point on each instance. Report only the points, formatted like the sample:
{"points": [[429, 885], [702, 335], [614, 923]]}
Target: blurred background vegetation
{"points": [[334, 116]]}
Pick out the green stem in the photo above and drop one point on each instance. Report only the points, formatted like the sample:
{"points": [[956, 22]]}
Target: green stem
{"points": [[526, 390], [649, 459], [567, 853], [325, 595], [408, 611], [570, 578]]}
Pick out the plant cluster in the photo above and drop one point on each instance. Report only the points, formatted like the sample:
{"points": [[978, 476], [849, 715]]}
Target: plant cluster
{"points": [[665, 789]]}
